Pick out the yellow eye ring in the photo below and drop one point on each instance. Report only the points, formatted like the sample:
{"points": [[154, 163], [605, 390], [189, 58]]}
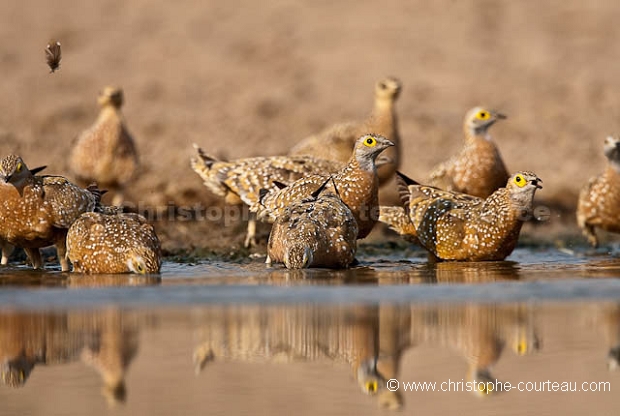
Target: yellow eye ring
{"points": [[520, 181], [370, 141], [18, 168], [483, 115], [371, 386]]}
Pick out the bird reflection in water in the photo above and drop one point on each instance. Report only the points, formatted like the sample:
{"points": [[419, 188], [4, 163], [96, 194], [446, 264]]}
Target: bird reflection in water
{"points": [[106, 340], [371, 339]]}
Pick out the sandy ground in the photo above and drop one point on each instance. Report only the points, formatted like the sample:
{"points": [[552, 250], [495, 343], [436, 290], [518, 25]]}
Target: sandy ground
{"points": [[244, 78]]}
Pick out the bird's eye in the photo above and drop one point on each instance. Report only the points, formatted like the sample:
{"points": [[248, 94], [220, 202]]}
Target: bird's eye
{"points": [[18, 168], [483, 115], [140, 268], [371, 386], [520, 181], [370, 142], [521, 348]]}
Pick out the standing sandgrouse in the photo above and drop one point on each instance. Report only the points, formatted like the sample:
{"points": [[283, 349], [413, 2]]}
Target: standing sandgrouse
{"points": [[357, 184], [599, 200], [37, 211], [337, 142], [455, 226], [113, 243], [241, 180], [319, 231], [106, 153], [478, 169]]}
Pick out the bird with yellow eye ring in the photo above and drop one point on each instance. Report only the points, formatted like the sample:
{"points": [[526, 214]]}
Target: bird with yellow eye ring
{"points": [[478, 169], [456, 226]]}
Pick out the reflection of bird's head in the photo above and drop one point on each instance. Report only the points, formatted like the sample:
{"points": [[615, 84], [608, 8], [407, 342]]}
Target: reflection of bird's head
{"points": [[373, 383], [525, 340], [15, 373], [613, 359], [115, 393], [483, 384]]}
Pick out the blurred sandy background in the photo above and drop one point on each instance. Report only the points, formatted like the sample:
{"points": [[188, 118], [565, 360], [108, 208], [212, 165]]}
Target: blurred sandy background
{"points": [[245, 78]]}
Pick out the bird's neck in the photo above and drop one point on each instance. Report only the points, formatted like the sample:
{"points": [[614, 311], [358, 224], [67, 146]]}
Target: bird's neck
{"points": [[473, 135], [613, 167], [365, 164], [522, 205], [109, 112]]}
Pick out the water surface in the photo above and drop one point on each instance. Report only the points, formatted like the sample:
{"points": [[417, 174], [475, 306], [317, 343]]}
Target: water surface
{"points": [[240, 338]]}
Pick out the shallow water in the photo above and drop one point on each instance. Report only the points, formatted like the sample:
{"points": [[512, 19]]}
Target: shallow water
{"points": [[241, 338]]}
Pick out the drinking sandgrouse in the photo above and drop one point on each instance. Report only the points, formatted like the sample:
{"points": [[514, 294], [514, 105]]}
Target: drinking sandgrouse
{"points": [[113, 243], [456, 226], [599, 200], [318, 231], [37, 211], [478, 169]]}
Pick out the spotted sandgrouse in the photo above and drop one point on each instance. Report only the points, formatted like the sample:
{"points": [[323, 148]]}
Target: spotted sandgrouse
{"points": [[120, 243], [478, 169], [319, 231], [37, 211], [105, 153], [7, 249], [337, 142], [240, 181], [455, 226], [357, 184], [599, 200]]}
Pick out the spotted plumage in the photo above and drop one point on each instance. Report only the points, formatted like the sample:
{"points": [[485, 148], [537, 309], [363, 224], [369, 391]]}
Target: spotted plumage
{"points": [[398, 220], [357, 184], [478, 169], [240, 181], [106, 153], [455, 226], [599, 200], [53, 54], [337, 142], [117, 243], [7, 249], [319, 231], [37, 211]]}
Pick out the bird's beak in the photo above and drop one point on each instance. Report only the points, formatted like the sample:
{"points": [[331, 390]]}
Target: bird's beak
{"points": [[537, 183], [500, 116], [7, 178], [389, 143]]}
